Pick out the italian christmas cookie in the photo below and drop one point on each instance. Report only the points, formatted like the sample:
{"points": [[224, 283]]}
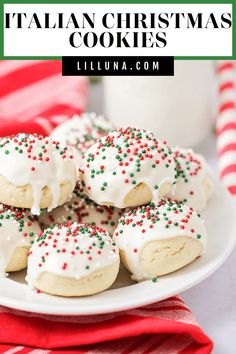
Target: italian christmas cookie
{"points": [[18, 228], [160, 238], [126, 168], [82, 131], [73, 260], [35, 172], [83, 210], [194, 186]]}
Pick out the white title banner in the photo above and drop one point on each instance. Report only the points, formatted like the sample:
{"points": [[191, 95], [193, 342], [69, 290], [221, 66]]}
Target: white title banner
{"points": [[117, 30]]}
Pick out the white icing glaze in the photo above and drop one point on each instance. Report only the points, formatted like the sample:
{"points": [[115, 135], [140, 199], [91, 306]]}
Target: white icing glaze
{"points": [[83, 210], [40, 162], [121, 160], [71, 250], [194, 186], [82, 131], [17, 229], [155, 222]]}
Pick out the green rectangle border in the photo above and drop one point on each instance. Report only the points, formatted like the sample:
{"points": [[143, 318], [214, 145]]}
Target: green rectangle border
{"points": [[233, 3]]}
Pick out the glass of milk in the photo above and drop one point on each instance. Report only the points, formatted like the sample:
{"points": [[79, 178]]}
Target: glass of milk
{"points": [[179, 108]]}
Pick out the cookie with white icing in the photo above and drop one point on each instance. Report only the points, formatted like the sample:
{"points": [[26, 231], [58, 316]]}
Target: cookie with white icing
{"points": [[160, 238], [18, 228], [81, 132], [73, 259], [194, 186], [127, 167], [83, 210], [35, 172]]}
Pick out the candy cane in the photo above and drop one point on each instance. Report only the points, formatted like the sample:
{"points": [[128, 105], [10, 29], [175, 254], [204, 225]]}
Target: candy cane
{"points": [[226, 123]]}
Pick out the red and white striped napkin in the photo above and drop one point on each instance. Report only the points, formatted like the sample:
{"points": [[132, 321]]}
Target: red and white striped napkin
{"points": [[34, 98], [167, 327]]}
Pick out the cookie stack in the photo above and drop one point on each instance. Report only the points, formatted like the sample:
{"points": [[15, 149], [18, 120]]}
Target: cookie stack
{"points": [[35, 172], [102, 196]]}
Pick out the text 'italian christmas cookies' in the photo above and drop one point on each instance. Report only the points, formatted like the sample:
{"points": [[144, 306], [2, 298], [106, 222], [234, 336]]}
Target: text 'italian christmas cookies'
{"points": [[83, 210], [18, 228], [127, 167], [73, 260], [194, 186], [157, 239], [35, 172], [80, 132]]}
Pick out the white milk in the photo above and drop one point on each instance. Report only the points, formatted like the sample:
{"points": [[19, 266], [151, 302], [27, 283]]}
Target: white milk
{"points": [[179, 109]]}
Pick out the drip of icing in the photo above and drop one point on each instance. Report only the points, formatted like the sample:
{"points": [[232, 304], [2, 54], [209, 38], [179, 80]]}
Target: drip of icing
{"points": [[71, 250], [39, 162], [81, 132], [155, 222], [194, 186], [121, 160], [17, 229], [82, 209], [55, 188]]}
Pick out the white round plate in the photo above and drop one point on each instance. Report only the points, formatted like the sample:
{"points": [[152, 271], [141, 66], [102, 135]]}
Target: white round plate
{"points": [[220, 219]]}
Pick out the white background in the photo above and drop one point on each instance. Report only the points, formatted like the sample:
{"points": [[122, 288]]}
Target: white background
{"points": [[213, 302], [55, 42]]}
